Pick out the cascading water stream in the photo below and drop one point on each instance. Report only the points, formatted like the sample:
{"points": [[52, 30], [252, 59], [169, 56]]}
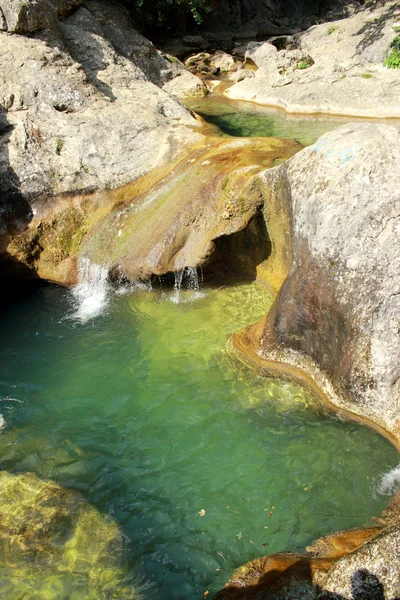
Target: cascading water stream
{"points": [[188, 276], [91, 292]]}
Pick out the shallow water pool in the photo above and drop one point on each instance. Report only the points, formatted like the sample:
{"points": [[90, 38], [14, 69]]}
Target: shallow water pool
{"points": [[203, 462], [247, 119]]}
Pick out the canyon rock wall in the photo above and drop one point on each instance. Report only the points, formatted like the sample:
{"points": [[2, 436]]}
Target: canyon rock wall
{"points": [[82, 107], [252, 18], [338, 308]]}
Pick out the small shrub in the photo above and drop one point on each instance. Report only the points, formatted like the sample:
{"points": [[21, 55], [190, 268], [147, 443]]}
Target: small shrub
{"points": [[366, 75], [172, 59], [393, 59], [59, 145], [331, 29], [303, 64]]}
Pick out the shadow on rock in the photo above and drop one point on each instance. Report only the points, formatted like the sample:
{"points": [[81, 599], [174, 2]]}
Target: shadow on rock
{"points": [[295, 583], [15, 215], [364, 586], [372, 30]]}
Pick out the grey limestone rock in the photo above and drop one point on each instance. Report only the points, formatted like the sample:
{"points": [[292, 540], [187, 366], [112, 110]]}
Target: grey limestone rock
{"points": [[26, 16], [84, 106], [341, 68], [337, 313], [372, 568]]}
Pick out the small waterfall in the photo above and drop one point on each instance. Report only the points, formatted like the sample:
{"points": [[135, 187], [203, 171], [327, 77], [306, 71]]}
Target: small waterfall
{"points": [[390, 481], [187, 278], [91, 292], [192, 279]]}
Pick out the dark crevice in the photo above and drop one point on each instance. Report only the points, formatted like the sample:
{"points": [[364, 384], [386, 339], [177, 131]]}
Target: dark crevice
{"points": [[237, 256]]}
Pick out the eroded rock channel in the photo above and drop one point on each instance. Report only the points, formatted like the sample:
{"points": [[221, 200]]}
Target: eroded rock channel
{"points": [[190, 457], [158, 379]]}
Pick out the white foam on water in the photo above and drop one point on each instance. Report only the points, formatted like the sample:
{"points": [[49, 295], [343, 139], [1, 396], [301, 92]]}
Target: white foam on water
{"points": [[134, 286], [390, 481], [92, 291], [8, 399]]}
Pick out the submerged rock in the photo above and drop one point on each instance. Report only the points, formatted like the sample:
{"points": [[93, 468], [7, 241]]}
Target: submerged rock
{"points": [[55, 544]]}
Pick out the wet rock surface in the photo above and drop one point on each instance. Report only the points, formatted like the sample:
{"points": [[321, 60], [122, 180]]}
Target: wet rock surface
{"points": [[82, 108], [173, 218]]}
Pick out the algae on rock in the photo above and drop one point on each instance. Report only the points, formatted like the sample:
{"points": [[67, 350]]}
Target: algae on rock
{"points": [[54, 543]]}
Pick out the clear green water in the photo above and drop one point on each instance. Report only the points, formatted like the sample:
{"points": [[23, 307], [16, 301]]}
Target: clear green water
{"points": [[245, 119], [199, 459]]}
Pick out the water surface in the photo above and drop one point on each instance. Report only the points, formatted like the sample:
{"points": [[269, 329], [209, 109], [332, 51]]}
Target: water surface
{"points": [[246, 119], [203, 462]]}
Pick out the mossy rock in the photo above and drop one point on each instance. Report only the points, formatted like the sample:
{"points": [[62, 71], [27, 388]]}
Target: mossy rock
{"points": [[55, 545]]}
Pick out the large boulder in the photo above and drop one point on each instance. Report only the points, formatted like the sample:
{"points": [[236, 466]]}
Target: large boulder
{"points": [[335, 67], [55, 545], [333, 217], [336, 315], [60, 88], [82, 108], [26, 16]]}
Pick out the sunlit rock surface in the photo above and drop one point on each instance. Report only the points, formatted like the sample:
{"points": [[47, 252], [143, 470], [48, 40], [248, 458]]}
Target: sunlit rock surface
{"points": [[83, 105], [336, 67], [81, 108], [339, 306]]}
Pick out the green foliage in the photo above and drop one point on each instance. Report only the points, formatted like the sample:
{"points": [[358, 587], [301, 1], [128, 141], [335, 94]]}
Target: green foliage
{"points": [[59, 145], [172, 59], [395, 45], [303, 64], [393, 59], [366, 75], [331, 29], [170, 13], [396, 28]]}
